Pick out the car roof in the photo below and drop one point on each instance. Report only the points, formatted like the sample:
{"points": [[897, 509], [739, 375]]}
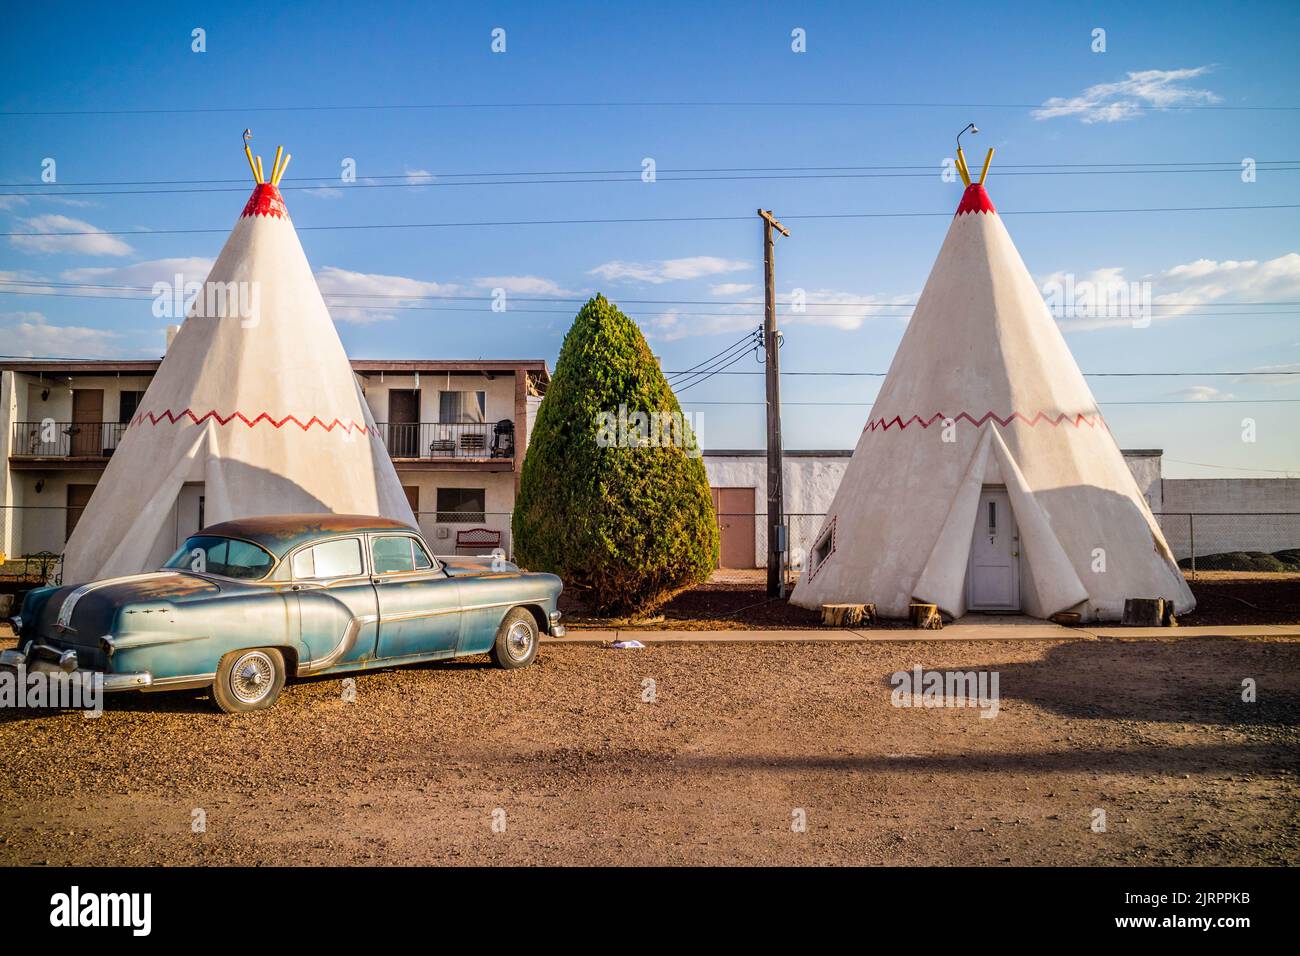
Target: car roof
{"points": [[280, 534]]}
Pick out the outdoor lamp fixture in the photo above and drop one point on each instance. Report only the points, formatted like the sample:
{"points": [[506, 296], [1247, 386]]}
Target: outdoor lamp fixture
{"points": [[968, 128], [45, 394], [40, 485]]}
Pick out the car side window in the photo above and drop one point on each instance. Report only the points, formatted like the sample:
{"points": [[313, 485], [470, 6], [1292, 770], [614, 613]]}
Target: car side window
{"points": [[392, 554], [422, 560], [331, 559]]}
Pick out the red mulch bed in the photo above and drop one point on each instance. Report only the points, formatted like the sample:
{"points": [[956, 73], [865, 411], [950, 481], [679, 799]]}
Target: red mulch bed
{"points": [[1222, 598], [1234, 598]]}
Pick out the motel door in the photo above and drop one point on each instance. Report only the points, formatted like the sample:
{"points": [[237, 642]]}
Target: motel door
{"points": [[735, 509], [87, 422], [404, 422], [993, 572]]}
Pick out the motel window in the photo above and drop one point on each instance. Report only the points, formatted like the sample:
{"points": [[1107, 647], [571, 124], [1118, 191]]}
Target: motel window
{"points": [[128, 405], [462, 407], [823, 548], [461, 505]]}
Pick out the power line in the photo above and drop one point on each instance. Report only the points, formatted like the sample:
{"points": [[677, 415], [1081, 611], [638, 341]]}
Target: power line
{"points": [[694, 378], [1202, 464], [394, 307], [333, 177], [739, 342], [1090, 374], [699, 381], [646, 219], [580, 299], [618, 104], [1157, 374], [415, 182], [1219, 401]]}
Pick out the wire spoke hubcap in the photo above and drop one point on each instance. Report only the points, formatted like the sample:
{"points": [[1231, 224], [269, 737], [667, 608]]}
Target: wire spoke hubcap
{"points": [[519, 641], [252, 676]]}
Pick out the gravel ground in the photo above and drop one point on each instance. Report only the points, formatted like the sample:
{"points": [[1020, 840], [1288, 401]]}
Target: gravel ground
{"points": [[737, 741]]}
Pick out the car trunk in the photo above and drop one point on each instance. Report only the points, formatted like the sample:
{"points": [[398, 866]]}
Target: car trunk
{"points": [[78, 617]]}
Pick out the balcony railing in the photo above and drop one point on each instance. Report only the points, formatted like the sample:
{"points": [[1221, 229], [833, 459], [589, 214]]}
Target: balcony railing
{"points": [[439, 440], [427, 440], [50, 439]]}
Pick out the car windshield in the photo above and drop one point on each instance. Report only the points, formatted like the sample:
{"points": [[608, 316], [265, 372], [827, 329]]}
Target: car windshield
{"points": [[229, 557]]}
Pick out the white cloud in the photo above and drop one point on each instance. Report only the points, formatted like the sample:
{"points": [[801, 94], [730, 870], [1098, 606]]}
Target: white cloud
{"points": [[1284, 374], [667, 270], [29, 334], [142, 274], [24, 282], [1186, 288], [731, 288], [323, 192], [523, 285], [1127, 98], [388, 290], [1200, 393], [840, 310], [92, 242], [9, 202]]}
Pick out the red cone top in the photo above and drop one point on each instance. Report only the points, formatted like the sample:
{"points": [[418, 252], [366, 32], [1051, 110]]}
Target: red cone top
{"points": [[266, 201], [974, 199]]}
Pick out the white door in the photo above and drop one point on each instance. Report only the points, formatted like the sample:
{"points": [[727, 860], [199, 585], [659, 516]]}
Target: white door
{"points": [[993, 573]]}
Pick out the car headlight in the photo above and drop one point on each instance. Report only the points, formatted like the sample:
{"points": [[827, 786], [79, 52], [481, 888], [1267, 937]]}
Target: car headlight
{"points": [[107, 645]]}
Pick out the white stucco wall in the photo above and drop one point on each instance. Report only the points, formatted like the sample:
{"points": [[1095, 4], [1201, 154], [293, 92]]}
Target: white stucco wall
{"points": [[499, 501], [1231, 514], [811, 479], [499, 392]]}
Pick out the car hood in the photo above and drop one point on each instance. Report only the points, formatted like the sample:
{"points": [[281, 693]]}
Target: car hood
{"points": [[83, 613]]}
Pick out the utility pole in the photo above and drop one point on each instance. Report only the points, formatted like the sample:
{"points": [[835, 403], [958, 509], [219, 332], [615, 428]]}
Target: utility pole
{"points": [[776, 543]]}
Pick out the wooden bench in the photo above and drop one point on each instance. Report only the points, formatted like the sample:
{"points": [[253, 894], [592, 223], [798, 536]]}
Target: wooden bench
{"points": [[479, 540]]}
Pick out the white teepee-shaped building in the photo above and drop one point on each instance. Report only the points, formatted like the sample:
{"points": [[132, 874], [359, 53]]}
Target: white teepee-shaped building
{"points": [[255, 399], [986, 478]]}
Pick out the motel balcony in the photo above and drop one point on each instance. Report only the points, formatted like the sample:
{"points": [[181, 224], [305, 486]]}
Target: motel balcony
{"points": [[42, 443], [472, 446], [477, 446]]}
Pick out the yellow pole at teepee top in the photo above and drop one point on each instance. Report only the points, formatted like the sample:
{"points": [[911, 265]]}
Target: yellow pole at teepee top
{"points": [[260, 178], [985, 171], [275, 181], [252, 165], [961, 166], [275, 166]]}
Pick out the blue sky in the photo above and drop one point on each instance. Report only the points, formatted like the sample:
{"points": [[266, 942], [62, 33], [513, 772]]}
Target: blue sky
{"points": [[1007, 57]]}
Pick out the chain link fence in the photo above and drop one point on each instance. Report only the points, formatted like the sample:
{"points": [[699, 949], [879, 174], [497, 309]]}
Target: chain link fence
{"points": [[32, 538], [1248, 541], [1222, 541]]}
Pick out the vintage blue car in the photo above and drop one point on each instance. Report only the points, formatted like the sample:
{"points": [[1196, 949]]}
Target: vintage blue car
{"points": [[245, 604]]}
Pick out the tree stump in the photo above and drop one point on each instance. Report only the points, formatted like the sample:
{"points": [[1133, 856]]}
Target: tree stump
{"points": [[1143, 612], [848, 615], [1169, 620], [926, 617]]}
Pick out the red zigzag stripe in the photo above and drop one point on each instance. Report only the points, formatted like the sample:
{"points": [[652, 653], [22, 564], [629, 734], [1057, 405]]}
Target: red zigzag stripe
{"points": [[173, 417], [883, 424]]}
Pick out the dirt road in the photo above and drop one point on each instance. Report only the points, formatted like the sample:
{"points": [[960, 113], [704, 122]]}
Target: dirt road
{"points": [[715, 769]]}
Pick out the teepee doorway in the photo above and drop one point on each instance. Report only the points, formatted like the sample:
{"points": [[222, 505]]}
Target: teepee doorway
{"points": [[993, 571]]}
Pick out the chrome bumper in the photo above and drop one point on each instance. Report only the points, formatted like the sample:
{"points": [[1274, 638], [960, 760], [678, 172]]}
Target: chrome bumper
{"points": [[557, 629], [43, 659]]}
